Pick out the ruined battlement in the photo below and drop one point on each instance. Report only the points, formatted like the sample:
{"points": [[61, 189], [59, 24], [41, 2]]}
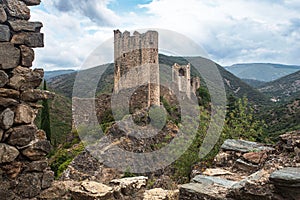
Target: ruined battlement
{"points": [[136, 62], [125, 43]]}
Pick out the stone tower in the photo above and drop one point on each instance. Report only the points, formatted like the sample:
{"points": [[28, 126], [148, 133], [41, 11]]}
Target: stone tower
{"points": [[195, 82], [181, 76], [136, 63]]}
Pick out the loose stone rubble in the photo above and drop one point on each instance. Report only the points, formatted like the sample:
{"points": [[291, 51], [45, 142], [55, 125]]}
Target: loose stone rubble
{"points": [[250, 170]]}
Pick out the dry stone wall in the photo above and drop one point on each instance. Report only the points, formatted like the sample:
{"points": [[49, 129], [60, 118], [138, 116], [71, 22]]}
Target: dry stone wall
{"points": [[24, 170]]}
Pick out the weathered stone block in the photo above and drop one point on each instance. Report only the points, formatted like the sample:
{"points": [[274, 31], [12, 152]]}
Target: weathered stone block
{"points": [[216, 172], [211, 180], [21, 70], [4, 33], [6, 119], [13, 169], [245, 166], [6, 102], [7, 153], [9, 56], [256, 157], [194, 191], [24, 78], [38, 150], [17, 9], [27, 55], [244, 146], [17, 81], [36, 95], [287, 182], [32, 2], [288, 177], [41, 135], [48, 178], [23, 25], [29, 39], [36, 166], [160, 194], [9, 93], [24, 114], [29, 185], [59, 190], [21, 135], [130, 185], [3, 16], [3, 78], [91, 190]]}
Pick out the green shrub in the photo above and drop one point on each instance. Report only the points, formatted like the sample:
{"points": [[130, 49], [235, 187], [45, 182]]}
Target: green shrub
{"points": [[63, 157]]}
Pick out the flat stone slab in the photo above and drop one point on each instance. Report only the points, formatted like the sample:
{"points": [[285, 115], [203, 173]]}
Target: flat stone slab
{"points": [[252, 178], [130, 185], [289, 177], [216, 172], [245, 166], [160, 194], [209, 180], [244, 146], [24, 25], [287, 182], [95, 188], [200, 191]]}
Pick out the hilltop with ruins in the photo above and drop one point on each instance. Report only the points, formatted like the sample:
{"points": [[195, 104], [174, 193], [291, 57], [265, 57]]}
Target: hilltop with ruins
{"points": [[136, 64]]}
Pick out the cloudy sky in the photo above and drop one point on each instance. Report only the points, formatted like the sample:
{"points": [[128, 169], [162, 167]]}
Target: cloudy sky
{"points": [[235, 31]]}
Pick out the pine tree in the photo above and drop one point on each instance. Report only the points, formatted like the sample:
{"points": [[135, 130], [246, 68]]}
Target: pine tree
{"points": [[45, 116], [240, 122]]}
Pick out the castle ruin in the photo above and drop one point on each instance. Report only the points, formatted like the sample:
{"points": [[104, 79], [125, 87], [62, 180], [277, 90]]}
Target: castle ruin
{"points": [[181, 77], [136, 63], [195, 83]]}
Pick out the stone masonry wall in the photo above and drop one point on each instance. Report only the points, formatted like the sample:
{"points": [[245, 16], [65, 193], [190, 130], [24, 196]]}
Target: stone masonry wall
{"points": [[24, 170], [136, 63], [181, 76], [195, 82]]}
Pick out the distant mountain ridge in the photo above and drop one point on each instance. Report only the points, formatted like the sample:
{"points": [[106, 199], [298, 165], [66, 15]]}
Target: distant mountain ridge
{"points": [[50, 74], [285, 89], [262, 71], [233, 85], [254, 83]]}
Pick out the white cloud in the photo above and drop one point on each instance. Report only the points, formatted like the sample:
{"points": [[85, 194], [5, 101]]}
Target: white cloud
{"points": [[69, 39], [226, 28], [230, 31]]}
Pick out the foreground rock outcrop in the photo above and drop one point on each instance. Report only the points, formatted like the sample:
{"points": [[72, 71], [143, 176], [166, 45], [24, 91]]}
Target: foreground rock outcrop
{"points": [[124, 188], [24, 170], [241, 170], [249, 170]]}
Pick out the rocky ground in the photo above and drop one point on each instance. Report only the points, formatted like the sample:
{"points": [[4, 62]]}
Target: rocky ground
{"points": [[241, 170], [247, 170]]}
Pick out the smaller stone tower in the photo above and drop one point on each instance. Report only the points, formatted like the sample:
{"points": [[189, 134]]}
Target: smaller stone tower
{"points": [[181, 76]]}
